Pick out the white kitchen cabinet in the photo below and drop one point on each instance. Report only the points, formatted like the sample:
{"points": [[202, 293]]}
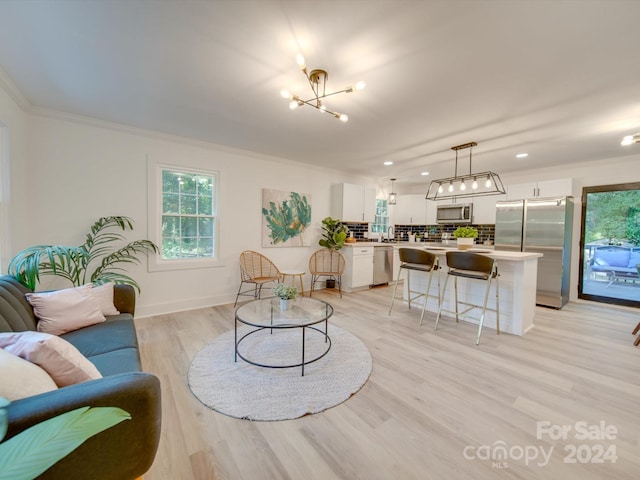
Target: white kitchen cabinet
{"points": [[547, 188], [411, 210], [432, 210], [484, 209], [353, 203], [358, 272]]}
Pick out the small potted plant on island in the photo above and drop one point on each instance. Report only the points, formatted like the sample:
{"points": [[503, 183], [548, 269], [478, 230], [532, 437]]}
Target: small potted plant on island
{"points": [[465, 236], [285, 293]]}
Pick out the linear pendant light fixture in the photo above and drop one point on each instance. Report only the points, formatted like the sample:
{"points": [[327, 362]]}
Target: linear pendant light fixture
{"points": [[318, 81], [470, 185]]}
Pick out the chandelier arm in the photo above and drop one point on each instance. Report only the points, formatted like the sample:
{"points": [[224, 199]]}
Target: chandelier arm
{"points": [[308, 102]]}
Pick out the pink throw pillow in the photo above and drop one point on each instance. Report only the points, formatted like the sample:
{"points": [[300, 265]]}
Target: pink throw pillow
{"points": [[65, 310], [62, 361], [104, 296]]}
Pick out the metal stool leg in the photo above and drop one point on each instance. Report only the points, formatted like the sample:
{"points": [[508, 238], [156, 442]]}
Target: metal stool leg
{"points": [[444, 290], [426, 296], [484, 309], [395, 290]]}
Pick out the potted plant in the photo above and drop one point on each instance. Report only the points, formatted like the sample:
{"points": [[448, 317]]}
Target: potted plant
{"points": [[465, 236], [285, 293], [334, 234], [73, 263]]}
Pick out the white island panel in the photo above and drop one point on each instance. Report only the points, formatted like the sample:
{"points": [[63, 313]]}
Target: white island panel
{"points": [[518, 276]]}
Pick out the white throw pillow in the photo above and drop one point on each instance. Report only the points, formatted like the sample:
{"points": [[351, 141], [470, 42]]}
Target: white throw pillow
{"points": [[65, 310], [61, 360], [20, 378], [104, 296]]}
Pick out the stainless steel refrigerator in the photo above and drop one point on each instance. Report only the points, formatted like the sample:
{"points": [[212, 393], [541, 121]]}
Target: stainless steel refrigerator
{"points": [[542, 225]]}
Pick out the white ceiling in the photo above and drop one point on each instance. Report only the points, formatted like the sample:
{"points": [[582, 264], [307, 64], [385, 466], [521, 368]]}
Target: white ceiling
{"points": [[559, 80]]}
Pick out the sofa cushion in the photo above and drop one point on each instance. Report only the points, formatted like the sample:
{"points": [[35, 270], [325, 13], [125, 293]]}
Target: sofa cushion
{"points": [[20, 378], [124, 360], [634, 259], [61, 360], [612, 258], [104, 296], [65, 310], [116, 332]]}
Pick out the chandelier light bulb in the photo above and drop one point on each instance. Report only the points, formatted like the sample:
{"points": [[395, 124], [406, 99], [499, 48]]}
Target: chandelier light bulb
{"points": [[360, 85], [300, 61], [343, 117], [440, 189], [463, 187], [474, 185], [450, 187], [488, 183], [293, 104], [284, 93]]}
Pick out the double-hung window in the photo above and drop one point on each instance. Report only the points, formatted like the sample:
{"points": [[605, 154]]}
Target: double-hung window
{"points": [[186, 217]]}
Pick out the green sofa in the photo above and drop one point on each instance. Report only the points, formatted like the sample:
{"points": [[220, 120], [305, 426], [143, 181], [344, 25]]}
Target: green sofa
{"points": [[124, 451]]}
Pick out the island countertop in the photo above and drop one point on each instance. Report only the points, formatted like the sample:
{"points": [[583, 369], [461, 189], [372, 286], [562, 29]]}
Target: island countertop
{"points": [[442, 248]]}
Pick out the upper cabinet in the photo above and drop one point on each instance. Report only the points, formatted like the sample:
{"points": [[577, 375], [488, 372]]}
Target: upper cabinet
{"points": [[353, 203], [547, 188], [484, 209], [410, 210]]}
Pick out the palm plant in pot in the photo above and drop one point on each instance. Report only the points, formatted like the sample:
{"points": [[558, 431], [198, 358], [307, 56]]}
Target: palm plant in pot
{"points": [[97, 260], [465, 236], [334, 235]]}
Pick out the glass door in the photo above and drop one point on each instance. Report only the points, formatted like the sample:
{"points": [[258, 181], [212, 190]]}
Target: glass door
{"points": [[610, 244]]}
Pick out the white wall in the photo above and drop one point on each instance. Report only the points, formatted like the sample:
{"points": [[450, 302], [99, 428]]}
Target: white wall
{"points": [[82, 170], [13, 167]]}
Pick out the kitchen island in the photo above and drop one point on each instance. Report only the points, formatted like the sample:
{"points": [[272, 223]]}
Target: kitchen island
{"points": [[518, 277]]}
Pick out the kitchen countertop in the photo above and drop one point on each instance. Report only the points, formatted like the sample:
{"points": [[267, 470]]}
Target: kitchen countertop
{"points": [[443, 247]]}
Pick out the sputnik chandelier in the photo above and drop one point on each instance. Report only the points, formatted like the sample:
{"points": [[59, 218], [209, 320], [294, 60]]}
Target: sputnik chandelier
{"points": [[318, 81], [480, 184]]}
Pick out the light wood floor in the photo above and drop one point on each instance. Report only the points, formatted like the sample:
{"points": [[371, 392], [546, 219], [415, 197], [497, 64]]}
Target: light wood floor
{"points": [[431, 395]]}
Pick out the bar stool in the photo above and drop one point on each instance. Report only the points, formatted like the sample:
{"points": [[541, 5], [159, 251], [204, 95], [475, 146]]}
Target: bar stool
{"points": [[419, 261], [472, 266]]}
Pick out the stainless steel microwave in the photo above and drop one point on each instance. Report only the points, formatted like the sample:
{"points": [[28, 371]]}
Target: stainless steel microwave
{"points": [[455, 213]]}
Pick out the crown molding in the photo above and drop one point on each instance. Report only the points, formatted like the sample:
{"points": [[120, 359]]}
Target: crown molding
{"points": [[9, 86]]}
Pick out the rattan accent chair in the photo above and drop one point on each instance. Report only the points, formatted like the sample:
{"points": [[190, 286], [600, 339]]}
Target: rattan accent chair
{"points": [[256, 270], [326, 263]]}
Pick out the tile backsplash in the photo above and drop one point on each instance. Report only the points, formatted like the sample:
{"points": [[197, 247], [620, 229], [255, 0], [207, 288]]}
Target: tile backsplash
{"points": [[430, 233]]}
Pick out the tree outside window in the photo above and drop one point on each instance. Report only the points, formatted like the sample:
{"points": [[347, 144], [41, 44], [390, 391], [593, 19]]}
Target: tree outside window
{"points": [[188, 215]]}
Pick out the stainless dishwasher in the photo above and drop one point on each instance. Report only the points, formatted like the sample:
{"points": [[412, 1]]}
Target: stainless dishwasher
{"points": [[382, 264]]}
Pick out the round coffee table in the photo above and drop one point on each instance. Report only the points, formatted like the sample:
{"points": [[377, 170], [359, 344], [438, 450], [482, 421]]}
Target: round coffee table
{"points": [[303, 313]]}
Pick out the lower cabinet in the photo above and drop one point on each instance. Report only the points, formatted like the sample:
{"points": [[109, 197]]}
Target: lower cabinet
{"points": [[358, 272]]}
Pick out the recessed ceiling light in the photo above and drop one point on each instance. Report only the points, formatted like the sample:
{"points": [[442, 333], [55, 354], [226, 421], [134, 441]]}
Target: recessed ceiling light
{"points": [[388, 162], [522, 155], [424, 173]]}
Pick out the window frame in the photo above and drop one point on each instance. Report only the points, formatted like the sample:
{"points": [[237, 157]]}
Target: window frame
{"points": [[156, 262]]}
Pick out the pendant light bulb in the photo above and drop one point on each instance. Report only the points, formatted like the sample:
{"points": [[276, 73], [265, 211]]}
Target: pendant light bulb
{"points": [[488, 183], [474, 185], [450, 187], [463, 187], [440, 189]]}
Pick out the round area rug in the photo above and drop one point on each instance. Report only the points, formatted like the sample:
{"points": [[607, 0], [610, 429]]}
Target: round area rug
{"points": [[245, 391]]}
